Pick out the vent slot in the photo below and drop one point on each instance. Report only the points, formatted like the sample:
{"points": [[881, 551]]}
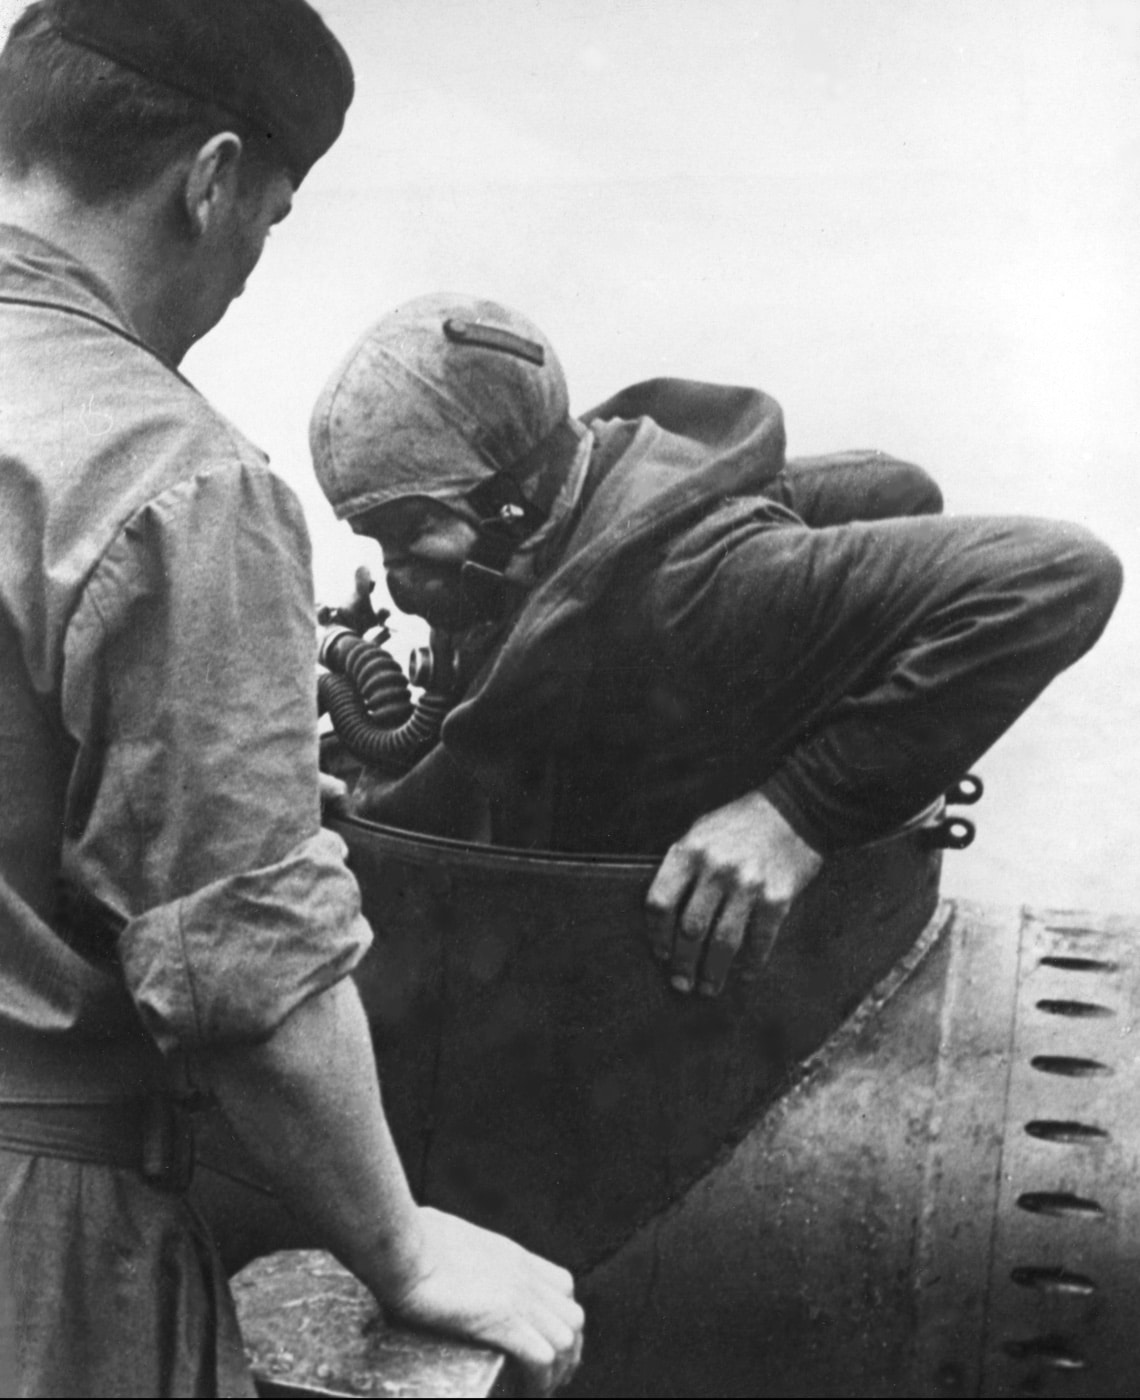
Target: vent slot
{"points": [[1070, 1065], [1055, 1130], [1067, 964], [1052, 1351], [1063, 1204], [1085, 1010], [1054, 1281]]}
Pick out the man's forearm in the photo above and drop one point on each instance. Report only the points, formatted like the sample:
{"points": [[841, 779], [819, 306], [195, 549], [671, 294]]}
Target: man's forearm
{"points": [[306, 1105], [976, 618]]}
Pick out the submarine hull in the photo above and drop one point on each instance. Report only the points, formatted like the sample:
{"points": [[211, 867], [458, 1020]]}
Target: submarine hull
{"points": [[898, 1159], [539, 1074], [945, 1205]]}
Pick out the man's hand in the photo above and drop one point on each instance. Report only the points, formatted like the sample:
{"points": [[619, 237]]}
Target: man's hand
{"points": [[334, 796], [733, 875], [485, 1287], [306, 1105], [372, 797]]}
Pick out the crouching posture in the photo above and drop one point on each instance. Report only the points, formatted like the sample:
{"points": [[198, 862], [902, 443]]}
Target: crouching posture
{"points": [[670, 639]]}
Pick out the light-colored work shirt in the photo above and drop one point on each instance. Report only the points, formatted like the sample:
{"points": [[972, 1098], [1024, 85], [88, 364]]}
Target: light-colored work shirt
{"points": [[165, 882]]}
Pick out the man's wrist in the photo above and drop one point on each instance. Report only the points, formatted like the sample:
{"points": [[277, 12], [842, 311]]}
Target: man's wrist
{"points": [[395, 1261], [782, 793]]}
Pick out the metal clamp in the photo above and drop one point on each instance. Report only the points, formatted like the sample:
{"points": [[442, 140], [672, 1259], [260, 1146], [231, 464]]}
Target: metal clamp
{"points": [[966, 791], [949, 834]]}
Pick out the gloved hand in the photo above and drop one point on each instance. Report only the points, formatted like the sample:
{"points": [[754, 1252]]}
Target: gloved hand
{"points": [[733, 875]]}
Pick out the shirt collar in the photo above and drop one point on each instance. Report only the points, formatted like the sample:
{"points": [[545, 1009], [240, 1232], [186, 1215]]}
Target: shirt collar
{"points": [[36, 271]]}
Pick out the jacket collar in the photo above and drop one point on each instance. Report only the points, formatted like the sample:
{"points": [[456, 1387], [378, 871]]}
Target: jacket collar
{"points": [[646, 487]]}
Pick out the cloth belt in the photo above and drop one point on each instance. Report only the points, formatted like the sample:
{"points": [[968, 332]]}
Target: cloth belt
{"points": [[153, 1135]]}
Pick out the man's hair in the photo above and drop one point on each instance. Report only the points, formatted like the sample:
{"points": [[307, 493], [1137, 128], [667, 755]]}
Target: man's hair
{"points": [[103, 130]]}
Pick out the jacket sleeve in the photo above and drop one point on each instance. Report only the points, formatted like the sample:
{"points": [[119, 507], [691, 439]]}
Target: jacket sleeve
{"points": [[847, 486], [866, 667], [193, 816]]}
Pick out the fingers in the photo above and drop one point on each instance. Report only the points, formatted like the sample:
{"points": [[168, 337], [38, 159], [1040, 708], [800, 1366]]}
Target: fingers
{"points": [[666, 898], [732, 876], [742, 915], [567, 1343], [699, 919], [484, 1286], [695, 915], [334, 795], [560, 1279], [696, 928], [546, 1322], [535, 1358], [544, 1335]]}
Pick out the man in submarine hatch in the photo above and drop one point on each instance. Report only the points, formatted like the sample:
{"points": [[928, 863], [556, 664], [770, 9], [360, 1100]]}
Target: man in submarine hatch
{"points": [[668, 638]]}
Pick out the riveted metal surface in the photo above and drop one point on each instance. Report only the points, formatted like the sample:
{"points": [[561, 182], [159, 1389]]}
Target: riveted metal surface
{"points": [[962, 1171], [788, 1269], [1064, 1291], [947, 1205]]}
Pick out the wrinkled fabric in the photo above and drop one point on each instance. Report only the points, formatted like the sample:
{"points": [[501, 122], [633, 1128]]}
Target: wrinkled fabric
{"points": [[114, 1289], [541, 551], [700, 639], [157, 719], [165, 884]]}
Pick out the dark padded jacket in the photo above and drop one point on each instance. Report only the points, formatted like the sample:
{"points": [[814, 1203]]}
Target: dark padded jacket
{"points": [[721, 621]]}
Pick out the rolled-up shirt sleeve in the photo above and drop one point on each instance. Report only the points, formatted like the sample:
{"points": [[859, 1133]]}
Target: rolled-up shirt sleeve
{"points": [[193, 819]]}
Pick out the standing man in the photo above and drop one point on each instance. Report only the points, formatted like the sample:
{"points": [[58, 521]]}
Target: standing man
{"points": [[176, 925]]}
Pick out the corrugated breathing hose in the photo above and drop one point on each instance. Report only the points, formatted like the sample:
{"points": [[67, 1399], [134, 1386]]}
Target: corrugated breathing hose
{"points": [[367, 696], [379, 682]]}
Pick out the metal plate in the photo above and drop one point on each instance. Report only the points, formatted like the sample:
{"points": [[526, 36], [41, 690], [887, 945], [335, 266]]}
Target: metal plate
{"points": [[311, 1329], [1064, 1288]]}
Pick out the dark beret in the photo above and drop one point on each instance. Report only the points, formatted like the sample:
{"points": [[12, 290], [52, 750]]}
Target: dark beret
{"points": [[272, 63]]}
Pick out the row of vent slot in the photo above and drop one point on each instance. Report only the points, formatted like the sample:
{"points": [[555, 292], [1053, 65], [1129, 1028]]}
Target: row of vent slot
{"points": [[1053, 1350]]}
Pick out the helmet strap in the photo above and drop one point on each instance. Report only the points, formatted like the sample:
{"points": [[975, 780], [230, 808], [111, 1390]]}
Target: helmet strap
{"points": [[506, 520]]}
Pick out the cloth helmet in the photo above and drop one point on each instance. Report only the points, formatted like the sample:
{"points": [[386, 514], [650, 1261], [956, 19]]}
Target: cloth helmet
{"points": [[438, 397]]}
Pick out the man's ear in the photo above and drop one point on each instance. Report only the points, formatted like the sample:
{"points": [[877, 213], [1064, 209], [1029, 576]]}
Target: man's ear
{"points": [[211, 182]]}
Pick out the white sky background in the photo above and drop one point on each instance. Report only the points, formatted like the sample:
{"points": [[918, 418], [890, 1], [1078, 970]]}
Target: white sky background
{"points": [[914, 222]]}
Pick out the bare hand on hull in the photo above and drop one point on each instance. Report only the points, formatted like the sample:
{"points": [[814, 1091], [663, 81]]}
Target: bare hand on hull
{"points": [[487, 1288], [733, 875]]}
